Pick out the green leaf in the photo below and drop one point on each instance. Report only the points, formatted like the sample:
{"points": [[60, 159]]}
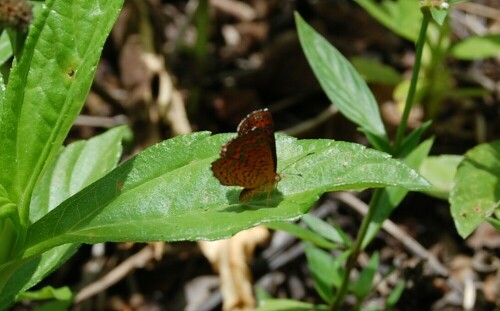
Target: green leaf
{"points": [[63, 298], [477, 47], [340, 81], [412, 140], [395, 295], [361, 288], [76, 166], [375, 72], [47, 89], [48, 292], [494, 222], [403, 17], [21, 275], [440, 172], [168, 192], [323, 269], [392, 196], [476, 192], [289, 305], [5, 48], [326, 230], [302, 233], [439, 14]]}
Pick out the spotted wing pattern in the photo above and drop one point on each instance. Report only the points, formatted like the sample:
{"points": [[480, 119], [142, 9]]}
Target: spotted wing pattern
{"points": [[249, 160]]}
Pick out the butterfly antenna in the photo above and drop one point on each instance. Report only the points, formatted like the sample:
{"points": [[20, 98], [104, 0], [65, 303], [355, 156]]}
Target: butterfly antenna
{"points": [[301, 158]]}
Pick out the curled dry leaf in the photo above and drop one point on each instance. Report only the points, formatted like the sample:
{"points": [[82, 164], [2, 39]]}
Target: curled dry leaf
{"points": [[230, 258]]}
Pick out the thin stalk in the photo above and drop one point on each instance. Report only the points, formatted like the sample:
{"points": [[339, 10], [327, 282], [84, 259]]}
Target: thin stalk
{"points": [[413, 83], [357, 248]]}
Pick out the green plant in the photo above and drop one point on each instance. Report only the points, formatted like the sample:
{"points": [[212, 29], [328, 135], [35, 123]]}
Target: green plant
{"points": [[470, 205], [54, 198], [435, 81], [350, 94], [435, 86]]}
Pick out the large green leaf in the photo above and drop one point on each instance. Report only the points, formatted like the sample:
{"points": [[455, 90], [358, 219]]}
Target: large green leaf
{"points": [[476, 193], [48, 87], [340, 81], [168, 192], [77, 165]]}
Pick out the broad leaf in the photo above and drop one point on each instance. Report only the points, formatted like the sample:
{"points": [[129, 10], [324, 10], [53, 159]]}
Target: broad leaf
{"points": [[74, 168], [47, 89], [77, 165], [476, 194], [168, 192]]}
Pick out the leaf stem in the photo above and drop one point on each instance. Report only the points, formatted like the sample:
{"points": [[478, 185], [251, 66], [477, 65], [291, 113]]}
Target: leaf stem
{"points": [[357, 248], [413, 83]]}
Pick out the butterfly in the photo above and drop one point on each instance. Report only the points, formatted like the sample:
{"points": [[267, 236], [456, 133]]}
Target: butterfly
{"points": [[249, 160]]}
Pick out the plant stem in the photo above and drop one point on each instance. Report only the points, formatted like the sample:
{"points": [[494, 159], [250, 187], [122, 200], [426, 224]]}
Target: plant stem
{"points": [[357, 248], [413, 83]]}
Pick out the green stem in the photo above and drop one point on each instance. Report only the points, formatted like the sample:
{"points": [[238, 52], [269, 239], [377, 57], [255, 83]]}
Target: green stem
{"points": [[357, 248], [413, 83]]}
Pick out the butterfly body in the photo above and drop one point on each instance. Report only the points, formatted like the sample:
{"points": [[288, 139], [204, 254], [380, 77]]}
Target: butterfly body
{"points": [[249, 160]]}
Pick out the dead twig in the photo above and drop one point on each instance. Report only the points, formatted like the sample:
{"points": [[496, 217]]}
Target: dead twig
{"points": [[137, 260]]}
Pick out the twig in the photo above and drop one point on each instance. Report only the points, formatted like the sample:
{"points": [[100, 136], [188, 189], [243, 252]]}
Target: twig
{"points": [[137, 260], [391, 228], [311, 123]]}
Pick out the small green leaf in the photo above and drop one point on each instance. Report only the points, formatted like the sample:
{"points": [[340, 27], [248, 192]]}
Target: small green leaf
{"points": [[361, 288], [395, 295], [302, 233], [494, 222], [61, 298], [48, 292], [326, 230], [411, 141], [401, 17], [289, 305], [323, 269], [374, 71], [477, 47], [392, 196], [476, 192], [168, 192], [340, 81], [5, 48], [439, 14], [440, 172]]}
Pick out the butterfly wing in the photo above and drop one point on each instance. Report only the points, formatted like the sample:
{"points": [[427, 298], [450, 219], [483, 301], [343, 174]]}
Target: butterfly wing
{"points": [[246, 161], [260, 120], [249, 160]]}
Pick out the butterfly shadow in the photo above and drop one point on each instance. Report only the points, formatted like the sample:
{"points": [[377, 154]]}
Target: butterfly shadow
{"points": [[256, 202]]}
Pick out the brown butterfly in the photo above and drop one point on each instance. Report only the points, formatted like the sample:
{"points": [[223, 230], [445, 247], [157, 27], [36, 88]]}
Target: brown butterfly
{"points": [[249, 160]]}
